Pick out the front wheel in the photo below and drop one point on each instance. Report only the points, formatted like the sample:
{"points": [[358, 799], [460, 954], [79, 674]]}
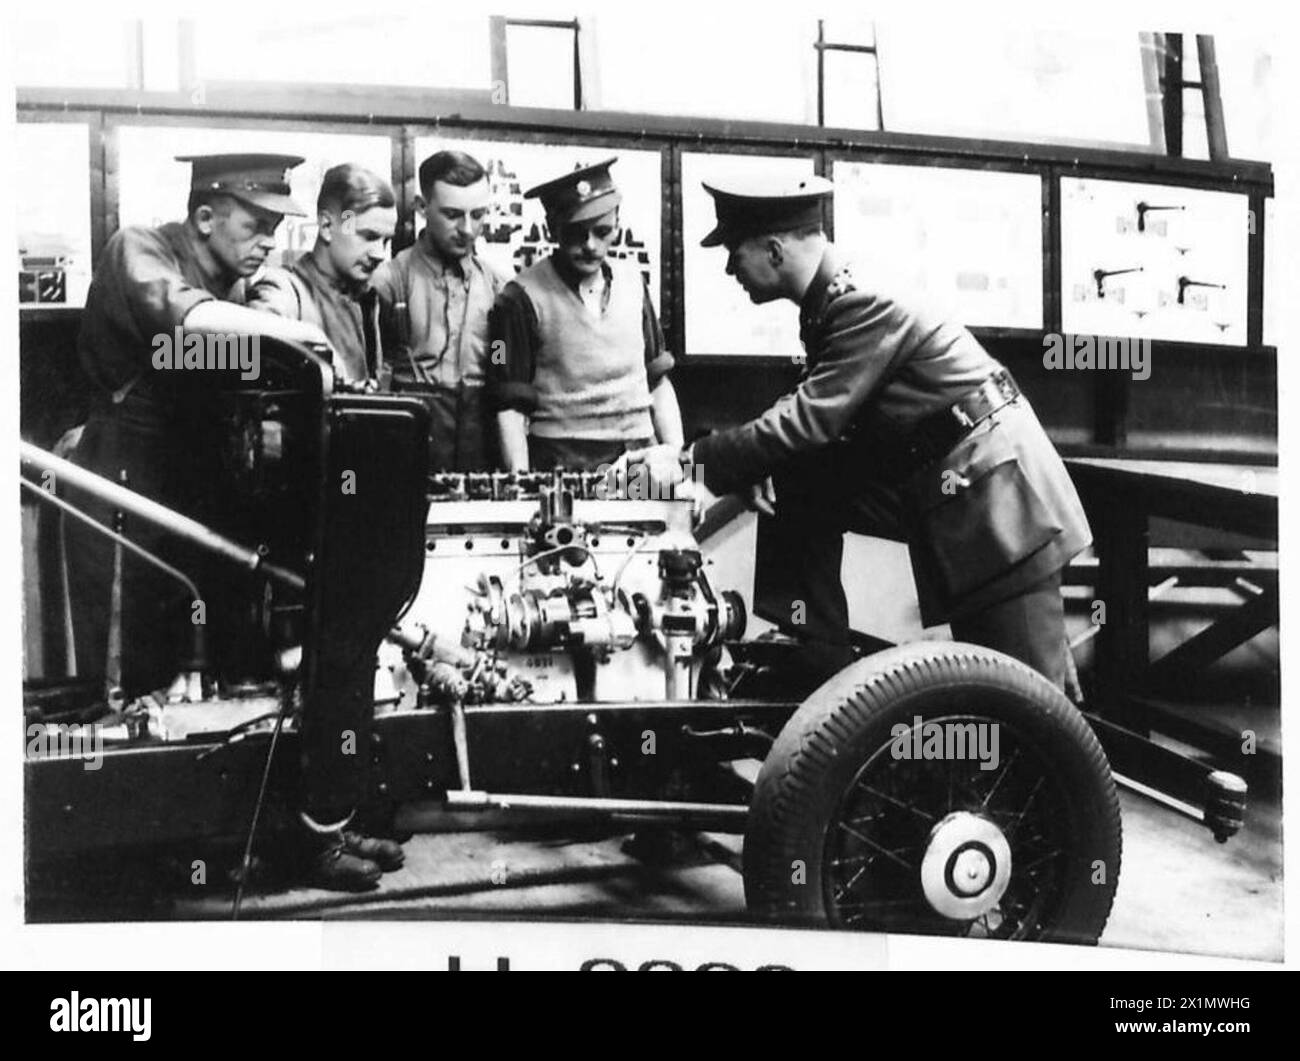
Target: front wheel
{"points": [[936, 788]]}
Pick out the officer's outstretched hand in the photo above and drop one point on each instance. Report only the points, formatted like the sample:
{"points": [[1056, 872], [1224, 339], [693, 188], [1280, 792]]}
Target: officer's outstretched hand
{"points": [[661, 464]]}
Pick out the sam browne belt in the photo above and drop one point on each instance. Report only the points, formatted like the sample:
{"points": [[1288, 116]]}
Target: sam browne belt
{"points": [[937, 433], [897, 453]]}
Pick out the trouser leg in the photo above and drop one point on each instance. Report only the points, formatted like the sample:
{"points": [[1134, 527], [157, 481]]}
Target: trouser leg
{"points": [[798, 567], [155, 608], [1029, 627]]}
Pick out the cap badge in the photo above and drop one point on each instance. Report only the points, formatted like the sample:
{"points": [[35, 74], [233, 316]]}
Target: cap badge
{"points": [[583, 188]]}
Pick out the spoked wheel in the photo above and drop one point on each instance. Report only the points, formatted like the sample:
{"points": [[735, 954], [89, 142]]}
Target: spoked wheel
{"points": [[937, 788]]}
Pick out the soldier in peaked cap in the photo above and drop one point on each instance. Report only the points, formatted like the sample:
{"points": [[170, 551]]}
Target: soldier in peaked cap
{"points": [[146, 424], [902, 426], [585, 372]]}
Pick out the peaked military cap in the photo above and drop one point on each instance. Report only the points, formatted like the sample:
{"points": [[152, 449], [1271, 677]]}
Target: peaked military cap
{"points": [[259, 179], [756, 207], [578, 196]]}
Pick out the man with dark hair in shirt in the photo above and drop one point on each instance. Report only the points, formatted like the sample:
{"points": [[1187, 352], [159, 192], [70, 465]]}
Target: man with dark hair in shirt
{"points": [[585, 373], [434, 299]]}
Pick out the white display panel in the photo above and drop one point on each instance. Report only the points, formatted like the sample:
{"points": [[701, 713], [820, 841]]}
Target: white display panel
{"points": [[52, 179], [153, 187], [1272, 290], [516, 234], [720, 319], [1153, 261], [968, 243]]}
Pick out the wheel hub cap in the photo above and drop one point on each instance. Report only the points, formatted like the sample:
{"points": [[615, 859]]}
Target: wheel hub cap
{"points": [[967, 866]]}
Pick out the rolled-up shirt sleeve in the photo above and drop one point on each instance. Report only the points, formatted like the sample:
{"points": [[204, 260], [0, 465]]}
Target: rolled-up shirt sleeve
{"points": [[154, 290], [394, 324], [658, 361], [512, 322], [862, 337]]}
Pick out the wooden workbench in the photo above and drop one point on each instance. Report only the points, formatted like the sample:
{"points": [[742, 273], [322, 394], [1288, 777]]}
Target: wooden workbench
{"points": [[1122, 497]]}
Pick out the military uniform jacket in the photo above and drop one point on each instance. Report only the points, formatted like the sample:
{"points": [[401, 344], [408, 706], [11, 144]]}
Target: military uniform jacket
{"points": [[995, 515]]}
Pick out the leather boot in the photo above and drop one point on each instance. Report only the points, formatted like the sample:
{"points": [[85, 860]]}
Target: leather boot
{"points": [[326, 861], [336, 868], [387, 854]]}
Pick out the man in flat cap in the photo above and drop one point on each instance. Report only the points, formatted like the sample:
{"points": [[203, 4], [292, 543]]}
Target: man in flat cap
{"points": [[585, 372], [329, 286], [434, 301], [146, 426], [902, 426]]}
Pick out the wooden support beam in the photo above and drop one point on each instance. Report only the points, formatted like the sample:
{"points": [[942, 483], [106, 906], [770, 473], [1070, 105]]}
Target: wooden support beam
{"points": [[1215, 131], [1182, 667], [1150, 46], [500, 68], [1171, 84], [821, 72]]}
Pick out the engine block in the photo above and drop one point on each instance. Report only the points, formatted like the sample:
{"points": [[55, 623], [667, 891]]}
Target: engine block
{"points": [[542, 586]]}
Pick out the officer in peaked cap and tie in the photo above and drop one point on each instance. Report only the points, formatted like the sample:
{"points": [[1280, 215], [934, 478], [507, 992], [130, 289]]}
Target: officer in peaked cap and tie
{"points": [[141, 427], [585, 372], [902, 426], [146, 425]]}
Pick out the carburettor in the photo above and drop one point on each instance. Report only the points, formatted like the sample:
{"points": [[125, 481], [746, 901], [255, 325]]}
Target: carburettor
{"points": [[580, 595]]}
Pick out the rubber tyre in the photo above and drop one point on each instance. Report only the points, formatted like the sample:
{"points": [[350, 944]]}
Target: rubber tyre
{"points": [[842, 731]]}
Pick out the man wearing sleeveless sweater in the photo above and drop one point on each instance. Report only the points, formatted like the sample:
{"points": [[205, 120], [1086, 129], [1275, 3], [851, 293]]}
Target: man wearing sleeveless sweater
{"points": [[584, 375]]}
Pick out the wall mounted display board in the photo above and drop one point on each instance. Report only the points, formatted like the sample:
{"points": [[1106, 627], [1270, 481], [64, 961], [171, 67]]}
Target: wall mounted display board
{"points": [[516, 234], [1153, 261], [969, 243], [1272, 291], [52, 179], [720, 318]]}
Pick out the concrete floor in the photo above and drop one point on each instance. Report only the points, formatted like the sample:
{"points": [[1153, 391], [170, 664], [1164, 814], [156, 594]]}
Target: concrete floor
{"points": [[1178, 891]]}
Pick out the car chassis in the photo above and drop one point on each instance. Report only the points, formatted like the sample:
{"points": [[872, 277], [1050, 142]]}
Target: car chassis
{"points": [[517, 675]]}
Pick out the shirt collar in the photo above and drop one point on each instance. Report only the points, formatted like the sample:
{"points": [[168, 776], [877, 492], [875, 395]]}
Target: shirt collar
{"points": [[215, 279], [815, 296], [458, 267], [310, 271], [570, 276]]}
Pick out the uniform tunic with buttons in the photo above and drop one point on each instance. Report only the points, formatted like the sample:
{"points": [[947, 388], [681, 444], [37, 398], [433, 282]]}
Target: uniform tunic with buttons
{"points": [[433, 319], [988, 521], [144, 424]]}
